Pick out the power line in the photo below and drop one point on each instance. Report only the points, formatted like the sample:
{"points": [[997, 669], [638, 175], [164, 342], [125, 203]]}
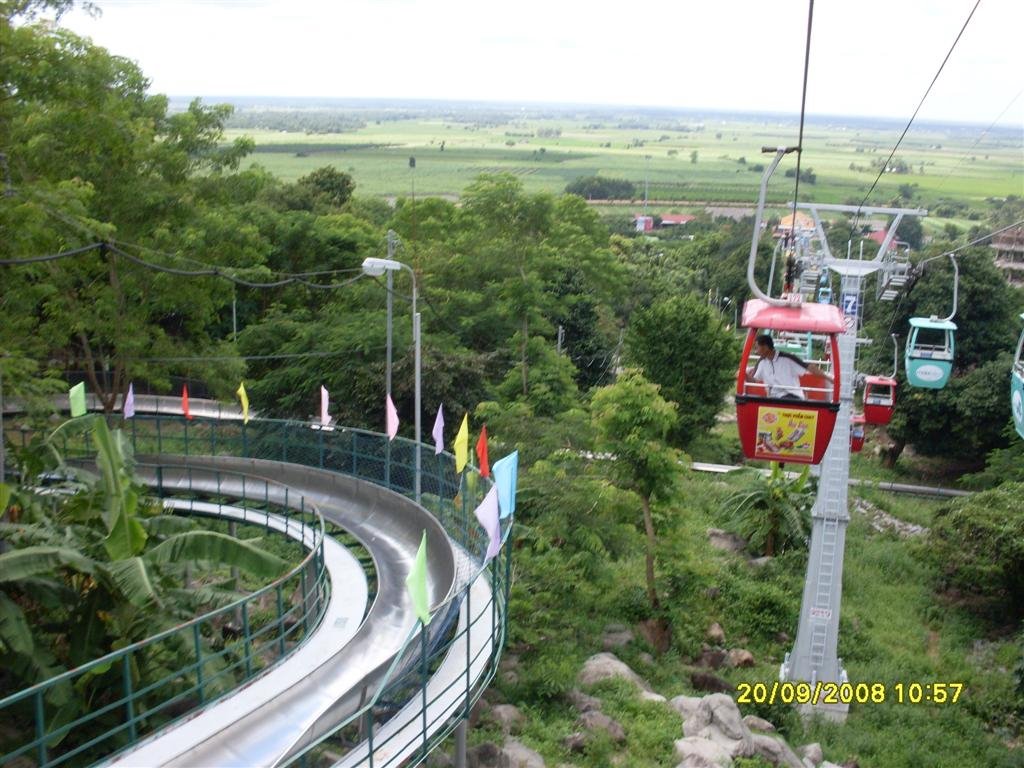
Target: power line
{"points": [[885, 165], [803, 109], [974, 242]]}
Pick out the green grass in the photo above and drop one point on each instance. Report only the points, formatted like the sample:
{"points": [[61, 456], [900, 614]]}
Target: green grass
{"points": [[944, 163]]}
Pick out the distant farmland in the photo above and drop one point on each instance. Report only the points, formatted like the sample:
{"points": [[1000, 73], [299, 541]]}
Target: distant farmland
{"points": [[713, 160]]}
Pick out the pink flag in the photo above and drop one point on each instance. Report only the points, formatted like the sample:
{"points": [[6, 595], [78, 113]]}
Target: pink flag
{"points": [[184, 401], [128, 407], [391, 416], [325, 419], [487, 515], [438, 433]]}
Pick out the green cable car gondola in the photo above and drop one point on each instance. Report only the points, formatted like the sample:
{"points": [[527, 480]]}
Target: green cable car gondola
{"points": [[1017, 386], [929, 355]]}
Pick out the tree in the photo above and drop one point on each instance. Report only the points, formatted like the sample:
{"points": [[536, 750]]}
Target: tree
{"points": [[632, 420], [774, 513], [329, 184], [601, 188], [681, 345]]}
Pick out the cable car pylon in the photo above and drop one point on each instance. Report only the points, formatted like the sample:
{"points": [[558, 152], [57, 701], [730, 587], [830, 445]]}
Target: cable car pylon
{"points": [[814, 658]]}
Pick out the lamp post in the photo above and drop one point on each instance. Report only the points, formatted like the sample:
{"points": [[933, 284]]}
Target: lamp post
{"points": [[375, 268]]}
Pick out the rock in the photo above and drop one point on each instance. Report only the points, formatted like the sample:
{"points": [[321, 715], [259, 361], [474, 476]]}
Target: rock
{"points": [[716, 634], [740, 657], [782, 638], [705, 681], [518, 755], [711, 658], [436, 759], [827, 764], [484, 755], [812, 752], [651, 696], [756, 723], [725, 541], [606, 666], [686, 706], [508, 718], [718, 719], [646, 658], [582, 702], [616, 636], [575, 742], [598, 721], [776, 751], [480, 710], [694, 752], [760, 562]]}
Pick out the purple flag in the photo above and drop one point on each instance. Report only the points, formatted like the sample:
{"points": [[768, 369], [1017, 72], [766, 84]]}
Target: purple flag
{"points": [[392, 417], [128, 407], [438, 433], [487, 514]]}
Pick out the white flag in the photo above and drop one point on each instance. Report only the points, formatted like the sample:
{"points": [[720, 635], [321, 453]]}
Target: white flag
{"points": [[325, 419]]}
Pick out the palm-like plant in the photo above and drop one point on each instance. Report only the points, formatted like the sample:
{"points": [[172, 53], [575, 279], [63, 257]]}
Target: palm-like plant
{"points": [[91, 565], [774, 513]]}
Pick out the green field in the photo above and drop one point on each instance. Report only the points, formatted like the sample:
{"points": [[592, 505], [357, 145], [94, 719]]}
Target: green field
{"points": [[945, 163]]}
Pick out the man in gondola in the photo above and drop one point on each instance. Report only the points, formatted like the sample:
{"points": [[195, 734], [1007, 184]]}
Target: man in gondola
{"points": [[780, 372]]}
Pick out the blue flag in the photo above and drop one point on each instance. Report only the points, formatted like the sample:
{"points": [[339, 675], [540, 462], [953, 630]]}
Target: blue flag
{"points": [[506, 475]]}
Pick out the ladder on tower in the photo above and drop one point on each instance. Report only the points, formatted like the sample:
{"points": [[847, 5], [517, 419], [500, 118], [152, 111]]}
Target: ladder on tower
{"points": [[822, 607], [894, 274]]}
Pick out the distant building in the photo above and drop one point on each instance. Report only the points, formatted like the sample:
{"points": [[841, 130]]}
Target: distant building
{"points": [[896, 244], [676, 219], [643, 223], [804, 225], [1009, 258]]}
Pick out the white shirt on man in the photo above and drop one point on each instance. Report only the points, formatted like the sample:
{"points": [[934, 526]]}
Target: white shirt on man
{"points": [[781, 375]]}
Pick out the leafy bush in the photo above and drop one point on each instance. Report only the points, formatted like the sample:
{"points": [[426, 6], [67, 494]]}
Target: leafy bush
{"points": [[601, 188], [978, 545]]}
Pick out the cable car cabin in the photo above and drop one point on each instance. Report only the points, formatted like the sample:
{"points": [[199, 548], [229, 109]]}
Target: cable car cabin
{"points": [[1017, 386], [879, 399], [929, 355], [857, 432], [789, 428], [825, 295]]}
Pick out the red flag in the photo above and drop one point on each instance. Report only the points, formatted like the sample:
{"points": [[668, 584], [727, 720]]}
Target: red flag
{"points": [[481, 453], [184, 401]]}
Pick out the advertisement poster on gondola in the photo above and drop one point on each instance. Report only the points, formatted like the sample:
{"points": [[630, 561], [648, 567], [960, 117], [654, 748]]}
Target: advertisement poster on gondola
{"points": [[785, 433]]}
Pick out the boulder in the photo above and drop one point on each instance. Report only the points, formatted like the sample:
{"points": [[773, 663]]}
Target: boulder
{"points": [[598, 721], [656, 633], [712, 658], [812, 752], [717, 719], [486, 755], [507, 717], [716, 634], [693, 752], [651, 696], [575, 743], [705, 681], [482, 709], [607, 666], [725, 541], [518, 755], [686, 706], [740, 657], [582, 702], [616, 636], [755, 723], [776, 752]]}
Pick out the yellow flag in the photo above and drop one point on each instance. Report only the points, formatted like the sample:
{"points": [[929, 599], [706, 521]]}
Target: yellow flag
{"points": [[462, 444], [245, 402]]}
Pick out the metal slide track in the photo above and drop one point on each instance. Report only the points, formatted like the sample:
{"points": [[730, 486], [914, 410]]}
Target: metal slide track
{"points": [[325, 681]]}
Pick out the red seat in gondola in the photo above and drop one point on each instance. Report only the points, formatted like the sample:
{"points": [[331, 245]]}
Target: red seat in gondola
{"points": [[787, 429], [857, 432], [879, 399]]}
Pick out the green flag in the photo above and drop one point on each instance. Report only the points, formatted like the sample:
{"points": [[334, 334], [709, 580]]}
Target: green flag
{"points": [[77, 397], [416, 583]]}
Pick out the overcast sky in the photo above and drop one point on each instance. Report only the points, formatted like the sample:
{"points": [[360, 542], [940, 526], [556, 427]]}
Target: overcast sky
{"points": [[868, 57]]}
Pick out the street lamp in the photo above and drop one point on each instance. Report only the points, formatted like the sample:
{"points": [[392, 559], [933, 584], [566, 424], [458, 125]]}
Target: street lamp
{"points": [[375, 267]]}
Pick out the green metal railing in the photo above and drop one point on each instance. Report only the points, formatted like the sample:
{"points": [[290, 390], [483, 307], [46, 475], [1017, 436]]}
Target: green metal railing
{"points": [[139, 689], [450, 496]]}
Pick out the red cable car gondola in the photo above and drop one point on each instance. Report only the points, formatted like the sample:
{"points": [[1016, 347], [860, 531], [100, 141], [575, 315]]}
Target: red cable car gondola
{"points": [[879, 399], [857, 432], [788, 429]]}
